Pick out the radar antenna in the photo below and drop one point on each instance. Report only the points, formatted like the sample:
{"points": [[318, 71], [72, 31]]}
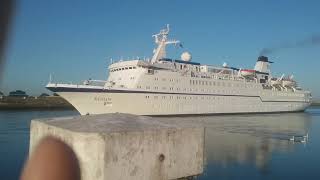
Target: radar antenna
{"points": [[161, 39]]}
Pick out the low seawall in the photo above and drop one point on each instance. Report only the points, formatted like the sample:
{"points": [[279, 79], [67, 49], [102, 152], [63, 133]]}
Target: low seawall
{"points": [[47, 102], [123, 146], [315, 104]]}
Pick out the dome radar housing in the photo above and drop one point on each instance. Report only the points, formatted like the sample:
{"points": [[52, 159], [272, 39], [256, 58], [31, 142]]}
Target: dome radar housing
{"points": [[186, 56]]}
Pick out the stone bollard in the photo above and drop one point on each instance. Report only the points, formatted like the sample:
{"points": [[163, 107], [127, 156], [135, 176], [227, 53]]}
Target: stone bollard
{"points": [[122, 146]]}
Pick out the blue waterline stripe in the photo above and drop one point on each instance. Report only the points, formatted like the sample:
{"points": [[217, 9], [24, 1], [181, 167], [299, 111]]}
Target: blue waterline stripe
{"points": [[65, 89]]}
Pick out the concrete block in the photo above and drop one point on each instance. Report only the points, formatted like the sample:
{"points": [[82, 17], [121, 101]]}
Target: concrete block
{"points": [[122, 146]]}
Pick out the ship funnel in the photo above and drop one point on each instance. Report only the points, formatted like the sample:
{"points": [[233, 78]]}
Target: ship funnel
{"points": [[263, 58], [263, 64]]}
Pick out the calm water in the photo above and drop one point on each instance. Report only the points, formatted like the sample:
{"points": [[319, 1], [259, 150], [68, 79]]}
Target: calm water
{"points": [[14, 139], [237, 147]]}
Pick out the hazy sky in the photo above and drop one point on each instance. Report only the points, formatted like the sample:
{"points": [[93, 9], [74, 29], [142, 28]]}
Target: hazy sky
{"points": [[74, 39]]}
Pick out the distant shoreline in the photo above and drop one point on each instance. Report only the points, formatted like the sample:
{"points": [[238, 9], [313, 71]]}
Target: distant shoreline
{"points": [[36, 103], [315, 104]]}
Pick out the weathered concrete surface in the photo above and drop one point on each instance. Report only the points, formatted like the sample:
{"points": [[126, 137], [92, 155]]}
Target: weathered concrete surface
{"points": [[122, 146]]}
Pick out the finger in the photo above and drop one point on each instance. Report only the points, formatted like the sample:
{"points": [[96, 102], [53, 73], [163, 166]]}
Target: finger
{"points": [[52, 160]]}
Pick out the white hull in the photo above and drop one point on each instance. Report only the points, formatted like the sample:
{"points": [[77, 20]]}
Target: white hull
{"points": [[172, 104]]}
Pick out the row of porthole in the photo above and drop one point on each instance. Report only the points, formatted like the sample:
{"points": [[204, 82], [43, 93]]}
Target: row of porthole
{"points": [[210, 83], [287, 95], [225, 84], [193, 90], [121, 69], [186, 98]]}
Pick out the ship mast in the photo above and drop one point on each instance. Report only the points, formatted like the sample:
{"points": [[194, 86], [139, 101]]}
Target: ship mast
{"points": [[162, 41]]}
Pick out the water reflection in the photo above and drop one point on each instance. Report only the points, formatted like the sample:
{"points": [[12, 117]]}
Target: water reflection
{"points": [[244, 144], [252, 139]]}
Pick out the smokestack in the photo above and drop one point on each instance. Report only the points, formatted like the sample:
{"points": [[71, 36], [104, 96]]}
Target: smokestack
{"points": [[263, 59], [262, 64]]}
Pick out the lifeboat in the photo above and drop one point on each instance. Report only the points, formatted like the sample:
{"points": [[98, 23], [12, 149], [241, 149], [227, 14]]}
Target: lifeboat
{"points": [[288, 82], [275, 81], [247, 72]]}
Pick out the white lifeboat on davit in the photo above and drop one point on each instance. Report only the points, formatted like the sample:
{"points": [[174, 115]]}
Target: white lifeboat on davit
{"points": [[247, 72], [275, 81], [288, 82]]}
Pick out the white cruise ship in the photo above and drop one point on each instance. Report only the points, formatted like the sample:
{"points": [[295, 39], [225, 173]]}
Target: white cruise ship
{"points": [[164, 86]]}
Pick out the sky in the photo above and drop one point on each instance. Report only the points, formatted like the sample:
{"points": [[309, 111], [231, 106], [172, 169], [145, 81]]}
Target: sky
{"points": [[74, 40]]}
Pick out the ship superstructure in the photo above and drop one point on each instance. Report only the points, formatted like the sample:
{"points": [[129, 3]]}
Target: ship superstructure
{"points": [[164, 86]]}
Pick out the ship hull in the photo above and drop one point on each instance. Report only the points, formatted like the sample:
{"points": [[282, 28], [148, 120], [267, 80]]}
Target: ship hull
{"points": [[157, 104]]}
